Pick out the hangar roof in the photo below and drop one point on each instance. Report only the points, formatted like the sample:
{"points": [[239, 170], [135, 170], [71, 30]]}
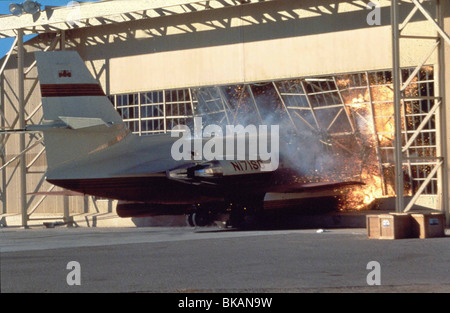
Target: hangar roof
{"points": [[54, 19]]}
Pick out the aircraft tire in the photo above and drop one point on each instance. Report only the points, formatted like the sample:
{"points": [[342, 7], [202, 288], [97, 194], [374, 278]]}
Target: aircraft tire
{"points": [[200, 219], [237, 219], [189, 220]]}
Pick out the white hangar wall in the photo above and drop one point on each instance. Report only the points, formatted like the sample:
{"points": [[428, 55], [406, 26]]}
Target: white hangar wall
{"points": [[264, 41]]}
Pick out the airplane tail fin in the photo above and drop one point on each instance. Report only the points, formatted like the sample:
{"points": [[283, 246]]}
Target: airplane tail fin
{"points": [[79, 119]]}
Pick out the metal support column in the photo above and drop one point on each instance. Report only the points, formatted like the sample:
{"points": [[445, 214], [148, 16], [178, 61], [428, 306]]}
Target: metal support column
{"points": [[444, 188], [399, 200], [21, 109], [62, 40], [440, 165]]}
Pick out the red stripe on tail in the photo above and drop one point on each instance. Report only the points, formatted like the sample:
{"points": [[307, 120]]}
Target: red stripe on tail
{"points": [[71, 90]]}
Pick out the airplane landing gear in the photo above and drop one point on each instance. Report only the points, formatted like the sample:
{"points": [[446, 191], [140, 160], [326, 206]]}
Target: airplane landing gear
{"points": [[246, 214], [237, 217], [199, 216], [236, 214]]}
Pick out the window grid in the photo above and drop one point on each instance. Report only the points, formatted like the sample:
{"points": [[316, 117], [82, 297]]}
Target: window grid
{"points": [[312, 104]]}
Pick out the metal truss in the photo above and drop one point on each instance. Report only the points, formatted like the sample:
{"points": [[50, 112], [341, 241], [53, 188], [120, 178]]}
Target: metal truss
{"points": [[318, 105], [403, 138], [112, 12], [17, 126], [106, 13]]}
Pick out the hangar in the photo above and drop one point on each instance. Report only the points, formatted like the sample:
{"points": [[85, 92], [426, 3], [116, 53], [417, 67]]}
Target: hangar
{"points": [[369, 76]]}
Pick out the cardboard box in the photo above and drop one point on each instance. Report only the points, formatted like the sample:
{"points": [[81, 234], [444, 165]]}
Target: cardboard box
{"points": [[389, 226], [373, 226], [428, 225]]}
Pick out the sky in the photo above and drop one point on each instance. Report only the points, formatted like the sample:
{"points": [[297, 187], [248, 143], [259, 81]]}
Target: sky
{"points": [[5, 44]]}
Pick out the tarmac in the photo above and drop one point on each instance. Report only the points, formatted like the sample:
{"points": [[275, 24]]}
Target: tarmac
{"points": [[293, 218], [327, 252], [213, 260], [350, 219], [111, 220]]}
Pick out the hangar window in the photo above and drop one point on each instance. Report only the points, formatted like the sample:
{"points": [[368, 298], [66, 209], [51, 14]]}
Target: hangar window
{"points": [[155, 111], [179, 107], [351, 114], [128, 107]]}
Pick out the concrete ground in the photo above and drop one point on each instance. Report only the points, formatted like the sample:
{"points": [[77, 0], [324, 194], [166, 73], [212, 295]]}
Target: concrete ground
{"points": [[182, 259]]}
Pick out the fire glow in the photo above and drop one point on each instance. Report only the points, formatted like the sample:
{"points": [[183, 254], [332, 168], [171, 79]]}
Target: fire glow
{"points": [[346, 123], [376, 132]]}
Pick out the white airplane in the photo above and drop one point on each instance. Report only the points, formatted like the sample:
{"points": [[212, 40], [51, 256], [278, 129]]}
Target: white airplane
{"points": [[90, 151]]}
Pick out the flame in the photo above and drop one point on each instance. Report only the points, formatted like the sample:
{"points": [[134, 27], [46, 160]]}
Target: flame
{"points": [[368, 103], [358, 102], [375, 131], [371, 107], [362, 197]]}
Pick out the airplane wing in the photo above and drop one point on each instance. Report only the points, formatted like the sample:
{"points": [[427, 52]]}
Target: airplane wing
{"points": [[302, 187], [243, 172]]}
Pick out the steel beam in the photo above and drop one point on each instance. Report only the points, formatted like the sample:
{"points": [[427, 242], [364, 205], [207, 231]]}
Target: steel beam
{"points": [[443, 188], [344, 107], [423, 186], [424, 122], [418, 67], [8, 55], [396, 76], [107, 12], [285, 106], [427, 15], [438, 110], [308, 100], [21, 96]]}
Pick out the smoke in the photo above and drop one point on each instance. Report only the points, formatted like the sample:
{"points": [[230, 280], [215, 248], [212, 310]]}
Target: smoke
{"points": [[306, 151], [349, 134]]}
